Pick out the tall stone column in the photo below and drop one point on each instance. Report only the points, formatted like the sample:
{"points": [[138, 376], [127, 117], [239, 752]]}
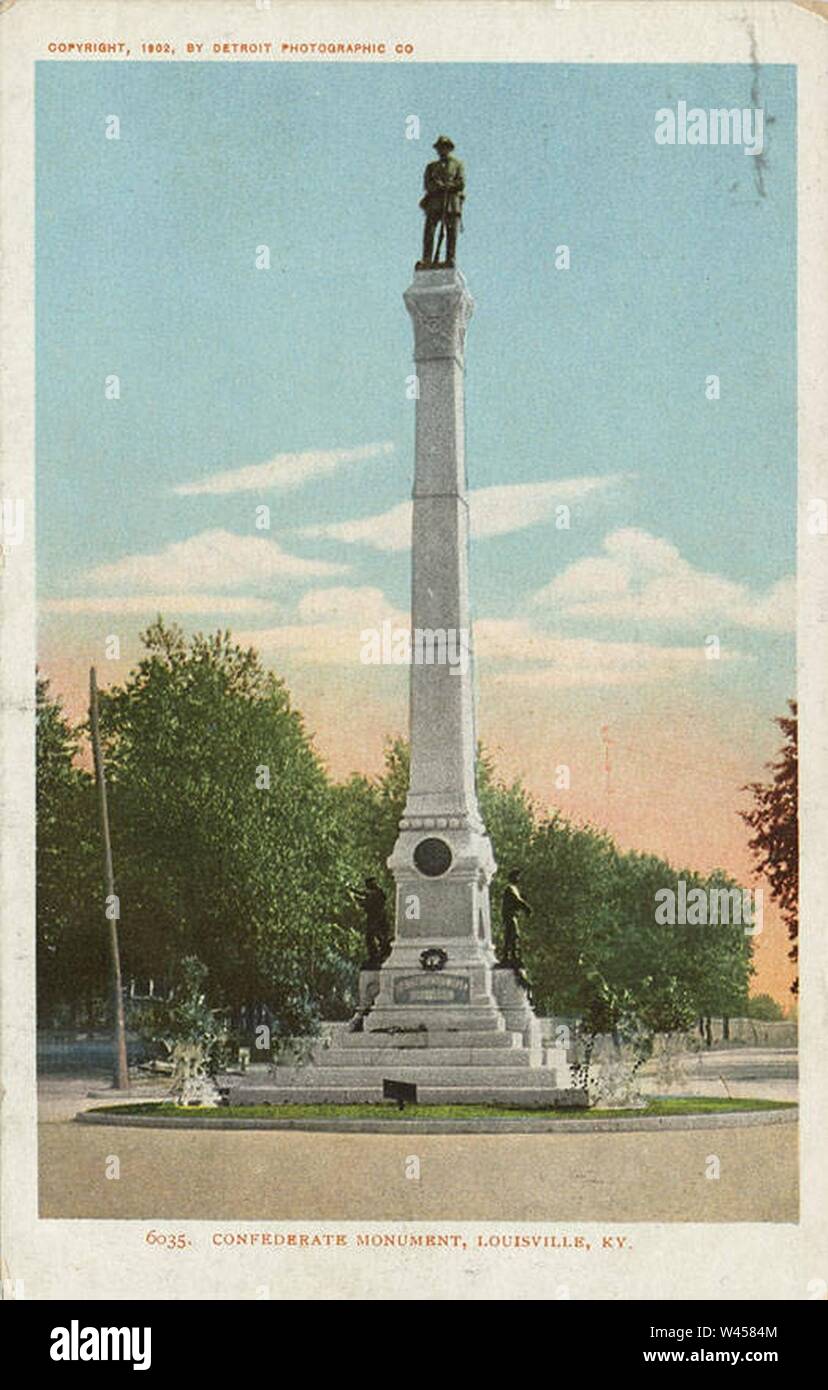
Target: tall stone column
{"points": [[438, 1014], [442, 861]]}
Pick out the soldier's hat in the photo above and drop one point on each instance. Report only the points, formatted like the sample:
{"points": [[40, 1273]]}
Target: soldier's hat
{"points": [[443, 143]]}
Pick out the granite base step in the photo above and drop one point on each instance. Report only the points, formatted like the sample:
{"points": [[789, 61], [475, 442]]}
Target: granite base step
{"points": [[423, 1075], [396, 1057], [434, 1038], [478, 1018]]}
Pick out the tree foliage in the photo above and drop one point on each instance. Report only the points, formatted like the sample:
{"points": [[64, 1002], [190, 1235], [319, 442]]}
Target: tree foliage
{"points": [[71, 928], [226, 840], [774, 819], [232, 846], [765, 1009], [593, 945]]}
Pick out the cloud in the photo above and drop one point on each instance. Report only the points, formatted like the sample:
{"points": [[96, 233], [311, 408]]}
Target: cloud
{"points": [[389, 530], [348, 607], [208, 560], [494, 511], [509, 651], [330, 625], [283, 473], [642, 579], [545, 659], [160, 603]]}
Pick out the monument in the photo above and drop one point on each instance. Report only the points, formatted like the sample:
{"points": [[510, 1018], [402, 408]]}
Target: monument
{"points": [[437, 1011]]}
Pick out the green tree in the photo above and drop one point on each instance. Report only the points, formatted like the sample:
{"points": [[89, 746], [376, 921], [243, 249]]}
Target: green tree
{"points": [[719, 964], [764, 1008], [568, 877], [595, 920], [509, 815], [651, 960], [368, 810], [774, 818], [226, 839], [72, 961]]}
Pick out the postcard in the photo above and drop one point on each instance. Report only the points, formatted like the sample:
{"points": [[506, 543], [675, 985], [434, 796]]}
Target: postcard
{"points": [[415, 524]]}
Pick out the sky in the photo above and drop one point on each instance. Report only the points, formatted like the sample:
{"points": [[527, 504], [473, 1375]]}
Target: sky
{"points": [[243, 386]]}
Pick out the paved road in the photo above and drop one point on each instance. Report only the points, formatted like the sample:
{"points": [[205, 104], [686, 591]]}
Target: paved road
{"points": [[760, 1073], [255, 1175]]}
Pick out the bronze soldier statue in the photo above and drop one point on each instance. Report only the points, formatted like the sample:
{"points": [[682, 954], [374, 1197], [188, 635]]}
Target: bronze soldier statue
{"points": [[377, 934], [442, 203], [513, 904]]}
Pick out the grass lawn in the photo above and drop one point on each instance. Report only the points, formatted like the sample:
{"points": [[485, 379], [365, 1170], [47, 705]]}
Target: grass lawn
{"points": [[668, 1105]]}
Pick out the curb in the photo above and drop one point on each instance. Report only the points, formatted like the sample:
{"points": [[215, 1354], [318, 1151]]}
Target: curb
{"points": [[740, 1119], [124, 1097]]}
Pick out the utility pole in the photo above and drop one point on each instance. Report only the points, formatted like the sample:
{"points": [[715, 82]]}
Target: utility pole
{"points": [[120, 1074], [608, 742]]}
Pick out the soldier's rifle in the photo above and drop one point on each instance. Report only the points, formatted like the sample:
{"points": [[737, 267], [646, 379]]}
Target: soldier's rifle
{"points": [[443, 222]]}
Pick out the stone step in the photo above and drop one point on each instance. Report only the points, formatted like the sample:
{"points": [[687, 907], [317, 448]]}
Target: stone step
{"points": [[438, 1037], [409, 1016], [369, 1075], [546, 1097], [396, 1057]]}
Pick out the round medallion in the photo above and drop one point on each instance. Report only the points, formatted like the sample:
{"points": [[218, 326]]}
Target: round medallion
{"points": [[432, 857]]}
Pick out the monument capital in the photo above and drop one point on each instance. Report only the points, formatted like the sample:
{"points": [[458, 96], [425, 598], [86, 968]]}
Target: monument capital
{"points": [[440, 306]]}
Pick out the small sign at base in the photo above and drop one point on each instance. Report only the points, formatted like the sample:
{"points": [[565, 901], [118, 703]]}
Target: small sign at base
{"points": [[403, 1092]]}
